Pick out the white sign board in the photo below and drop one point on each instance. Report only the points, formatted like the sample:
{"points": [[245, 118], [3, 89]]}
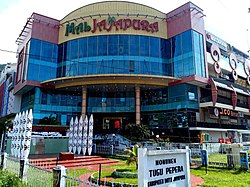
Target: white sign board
{"points": [[163, 168]]}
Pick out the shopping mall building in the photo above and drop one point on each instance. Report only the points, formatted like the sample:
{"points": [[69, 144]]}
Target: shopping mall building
{"points": [[130, 62]]}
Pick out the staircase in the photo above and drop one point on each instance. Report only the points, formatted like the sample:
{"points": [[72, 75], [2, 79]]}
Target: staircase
{"points": [[78, 162], [119, 141]]}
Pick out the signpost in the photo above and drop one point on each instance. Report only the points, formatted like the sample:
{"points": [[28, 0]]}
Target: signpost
{"points": [[163, 168], [204, 158], [244, 160]]}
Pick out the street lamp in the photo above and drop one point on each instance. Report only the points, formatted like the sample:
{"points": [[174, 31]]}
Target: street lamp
{"points": [[3, 145], [113, 135], [157, 137]]}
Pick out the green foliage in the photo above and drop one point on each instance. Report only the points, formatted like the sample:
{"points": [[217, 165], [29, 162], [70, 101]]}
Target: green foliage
{"points": [[133, 156], [104, 173], [78, 172], [10, 180], [221, 177], [138, 132], [221, 158], [123, 166], [49, 120], [124, 174], [117, 182]]}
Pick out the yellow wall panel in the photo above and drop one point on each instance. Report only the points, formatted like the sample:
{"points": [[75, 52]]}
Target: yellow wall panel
{"points": [[117, 10]]}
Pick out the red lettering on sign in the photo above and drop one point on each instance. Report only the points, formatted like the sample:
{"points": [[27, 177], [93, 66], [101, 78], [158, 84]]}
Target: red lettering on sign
{"points": [[124, 24]]}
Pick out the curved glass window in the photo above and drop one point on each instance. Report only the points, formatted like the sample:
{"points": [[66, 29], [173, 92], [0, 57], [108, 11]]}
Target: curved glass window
{"points": [[179, 56]]}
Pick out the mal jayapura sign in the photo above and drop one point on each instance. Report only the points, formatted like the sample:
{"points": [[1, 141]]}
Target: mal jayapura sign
{"points": [[111, 24]]}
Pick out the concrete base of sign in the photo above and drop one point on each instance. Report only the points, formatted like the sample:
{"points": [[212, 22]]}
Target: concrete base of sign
{"points": [[66, 156]]}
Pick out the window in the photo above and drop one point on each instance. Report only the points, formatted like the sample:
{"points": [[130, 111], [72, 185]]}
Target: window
{"points": [[26, 61], [144, 46], [134, 45], [19, 65], [43, 98], [113, 45], [131, 66], [102, 45], [123, 45], [92, 46], [191, 96], [154, 47]]}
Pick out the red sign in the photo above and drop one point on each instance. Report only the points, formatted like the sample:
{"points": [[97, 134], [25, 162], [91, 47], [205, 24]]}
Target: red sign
{"points": [[124, 24], [227, 112]]}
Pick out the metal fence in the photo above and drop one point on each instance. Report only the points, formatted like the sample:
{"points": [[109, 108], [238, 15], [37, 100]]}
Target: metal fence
{"points": [[40, 173], [35, 176], [69, 178], [108, 150], [219, 160]]}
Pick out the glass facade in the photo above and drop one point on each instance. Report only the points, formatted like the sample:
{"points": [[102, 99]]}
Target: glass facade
{"points": [[169, 98], [42, 61], [45, 103], [169, 119], [180, 56], [111, 101], [62, 105]]}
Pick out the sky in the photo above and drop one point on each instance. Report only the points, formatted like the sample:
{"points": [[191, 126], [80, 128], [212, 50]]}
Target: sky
{"points": [[227, 19]]}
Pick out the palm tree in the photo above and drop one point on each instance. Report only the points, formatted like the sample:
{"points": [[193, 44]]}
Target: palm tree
{"points": [[143, 131], [138, 132], [133, 156], [51, 120]]}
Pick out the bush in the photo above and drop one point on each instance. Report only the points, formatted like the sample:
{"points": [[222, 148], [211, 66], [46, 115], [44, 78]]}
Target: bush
{"points": [[10, 180], [123, 174], [115, 184]]}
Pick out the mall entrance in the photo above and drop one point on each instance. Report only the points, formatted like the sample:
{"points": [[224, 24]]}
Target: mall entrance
{"points": [[112, 123]]}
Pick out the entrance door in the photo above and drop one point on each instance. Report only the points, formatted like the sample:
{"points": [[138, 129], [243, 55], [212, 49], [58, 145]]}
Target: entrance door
{"points": [[112, 124]]}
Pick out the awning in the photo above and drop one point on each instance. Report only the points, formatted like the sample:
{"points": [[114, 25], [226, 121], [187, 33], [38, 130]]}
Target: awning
{"points": [[218, 130], [221, 85], [229, 87]]}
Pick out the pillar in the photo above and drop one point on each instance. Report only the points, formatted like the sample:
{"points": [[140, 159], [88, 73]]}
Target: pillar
{"points": [[84, 101], [59, 173], [137, 105]]}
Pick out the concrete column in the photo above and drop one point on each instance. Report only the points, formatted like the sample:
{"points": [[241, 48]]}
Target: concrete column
{"points": [[84, 101], [137, 105]]}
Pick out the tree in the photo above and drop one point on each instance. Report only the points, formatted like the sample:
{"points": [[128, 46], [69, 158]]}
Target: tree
{"points": [[133, 156], [49, 120], [143, 131]]}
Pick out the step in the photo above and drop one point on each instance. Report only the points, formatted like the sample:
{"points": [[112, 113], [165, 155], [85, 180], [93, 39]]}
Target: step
{"points": [[54, 158], [87, 159], [78, 162], [85, 164], [69, 164]]}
